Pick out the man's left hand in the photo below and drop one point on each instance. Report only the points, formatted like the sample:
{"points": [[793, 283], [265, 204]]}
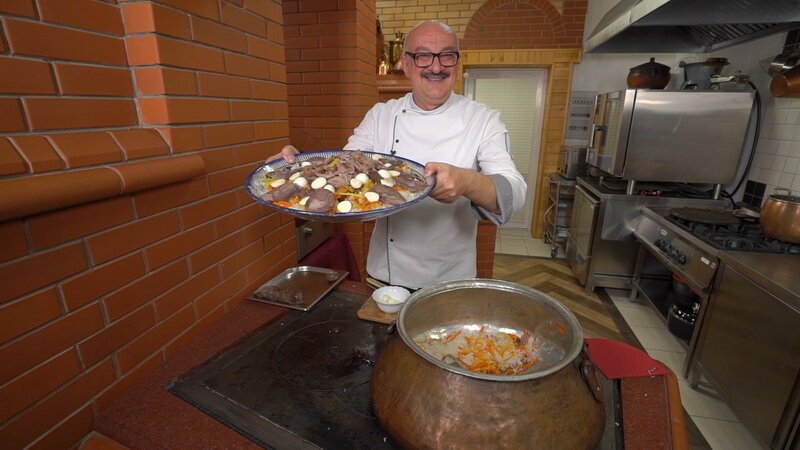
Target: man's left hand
{"points": [[452, 182]]}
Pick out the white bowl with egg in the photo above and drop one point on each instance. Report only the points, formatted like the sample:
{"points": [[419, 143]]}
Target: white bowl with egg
{"points": [[390, 298]]}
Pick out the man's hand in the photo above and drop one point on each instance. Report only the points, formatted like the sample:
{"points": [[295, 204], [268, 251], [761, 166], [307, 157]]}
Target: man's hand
{"points": [[452, 182], [287, 153]]}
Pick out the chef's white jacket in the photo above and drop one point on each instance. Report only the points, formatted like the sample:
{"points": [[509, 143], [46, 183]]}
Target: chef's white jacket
{"points": [[430, 241]]}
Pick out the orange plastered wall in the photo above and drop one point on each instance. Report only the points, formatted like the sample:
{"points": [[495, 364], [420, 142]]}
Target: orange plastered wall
{"points": [[135, 123]]}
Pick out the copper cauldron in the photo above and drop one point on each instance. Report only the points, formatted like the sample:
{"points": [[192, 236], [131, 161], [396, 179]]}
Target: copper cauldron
{"points": [[424, 403]]}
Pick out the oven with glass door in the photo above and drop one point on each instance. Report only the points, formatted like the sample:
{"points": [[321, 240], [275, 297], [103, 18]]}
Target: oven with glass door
{"points": [[581, 233]]}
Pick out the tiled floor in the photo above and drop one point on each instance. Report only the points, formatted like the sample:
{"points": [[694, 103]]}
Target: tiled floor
{"points": [[713, 417], [520, 242]]}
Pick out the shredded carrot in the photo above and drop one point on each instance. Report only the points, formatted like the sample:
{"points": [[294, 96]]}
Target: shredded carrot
{"points": [[283, 204], [560, 327], [452, 336]]}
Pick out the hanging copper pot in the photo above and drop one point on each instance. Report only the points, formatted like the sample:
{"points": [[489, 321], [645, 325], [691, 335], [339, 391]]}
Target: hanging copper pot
{"points": [[650, 75], [780, 217]]}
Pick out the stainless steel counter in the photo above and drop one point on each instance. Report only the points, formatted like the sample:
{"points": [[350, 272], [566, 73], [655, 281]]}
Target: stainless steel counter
{"points": [[778, 274], [748, 342]]}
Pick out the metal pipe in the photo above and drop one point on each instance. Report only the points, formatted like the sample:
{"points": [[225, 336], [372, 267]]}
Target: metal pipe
{"points": [[631, 187], [717, 191]]}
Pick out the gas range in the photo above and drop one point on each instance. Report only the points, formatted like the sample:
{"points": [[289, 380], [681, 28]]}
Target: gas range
{"points": [[723, 230], [689, 240]]}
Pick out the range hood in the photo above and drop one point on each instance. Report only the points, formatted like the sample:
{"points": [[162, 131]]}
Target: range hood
{"points": [[689, 26]]}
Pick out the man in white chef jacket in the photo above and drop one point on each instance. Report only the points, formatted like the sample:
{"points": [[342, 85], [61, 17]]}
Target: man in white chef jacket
{"points": [[461, 142]]}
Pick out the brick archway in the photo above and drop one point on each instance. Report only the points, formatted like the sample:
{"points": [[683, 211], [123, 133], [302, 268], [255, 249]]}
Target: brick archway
{"points": [[525, 24]]}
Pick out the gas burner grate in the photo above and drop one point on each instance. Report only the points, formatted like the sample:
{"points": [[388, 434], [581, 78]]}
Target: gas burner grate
{"points": [[704, 216]]}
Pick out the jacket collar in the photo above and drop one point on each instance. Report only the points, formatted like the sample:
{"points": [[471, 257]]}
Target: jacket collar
{"points": [[451, 100]]}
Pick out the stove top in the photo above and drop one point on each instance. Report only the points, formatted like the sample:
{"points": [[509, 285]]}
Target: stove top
{"points": [[724, 231], [303, 382]]}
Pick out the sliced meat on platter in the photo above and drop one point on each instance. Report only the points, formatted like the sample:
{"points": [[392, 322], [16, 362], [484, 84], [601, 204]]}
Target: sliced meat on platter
{"points": [[349, 181], [388, 195], [411, 182], [320, 200], [281, 193]]}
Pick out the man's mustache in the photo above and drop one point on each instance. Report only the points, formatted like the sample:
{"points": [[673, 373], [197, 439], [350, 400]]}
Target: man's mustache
{"points": [[444, 74]]}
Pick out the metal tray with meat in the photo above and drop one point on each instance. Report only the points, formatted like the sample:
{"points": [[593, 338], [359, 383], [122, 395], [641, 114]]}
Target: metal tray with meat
{"points": [[299, 287]]}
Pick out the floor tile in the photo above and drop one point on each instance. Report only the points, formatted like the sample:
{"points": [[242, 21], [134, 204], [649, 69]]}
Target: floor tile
{"points": [[657, 338], [527, 246], [702, 403], [639, 315], [537, 247], [513, 246], [727, 435], [504, 232]]}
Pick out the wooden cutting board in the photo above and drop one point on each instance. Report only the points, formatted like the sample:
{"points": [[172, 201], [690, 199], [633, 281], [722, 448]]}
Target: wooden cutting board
{"points": [[369, 311]]}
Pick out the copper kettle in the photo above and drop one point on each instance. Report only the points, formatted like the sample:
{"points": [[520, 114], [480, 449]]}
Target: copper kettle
{"points": [[650, 75]]}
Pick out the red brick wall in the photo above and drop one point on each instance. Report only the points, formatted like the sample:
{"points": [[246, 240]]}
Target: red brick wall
{"points": [[330, 67], [510, 24], [97, 294]]}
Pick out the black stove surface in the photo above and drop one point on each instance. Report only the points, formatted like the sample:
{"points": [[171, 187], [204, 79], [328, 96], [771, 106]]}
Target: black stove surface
{"points": [[722, 230], [302, 382]]}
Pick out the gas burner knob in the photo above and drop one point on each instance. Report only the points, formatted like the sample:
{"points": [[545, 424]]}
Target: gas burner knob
{"points": [[660, 243], [674, 253], [682, 260]]}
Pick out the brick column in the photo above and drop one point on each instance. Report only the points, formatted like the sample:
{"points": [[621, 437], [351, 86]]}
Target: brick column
{"points": [[331, 75]]}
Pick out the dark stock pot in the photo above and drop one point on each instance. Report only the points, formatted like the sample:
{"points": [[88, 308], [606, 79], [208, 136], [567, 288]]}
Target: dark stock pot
{"points": [[650, 75], [424, 403], [780, 217]]}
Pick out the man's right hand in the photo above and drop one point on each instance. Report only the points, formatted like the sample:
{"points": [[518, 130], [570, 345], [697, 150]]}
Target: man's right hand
{"points": [[287, 153]]}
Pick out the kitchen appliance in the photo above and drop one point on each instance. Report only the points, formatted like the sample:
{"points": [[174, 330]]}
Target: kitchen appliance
{"points": [[688, 26], [698, 75], [688, 242], [601, 249], [780, 216], [572, 162], [424, 402], [670, 135], [310, 235], [650, 75]]}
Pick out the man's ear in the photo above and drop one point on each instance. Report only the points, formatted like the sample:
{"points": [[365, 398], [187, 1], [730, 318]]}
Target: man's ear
{"points": [[406, 62]]}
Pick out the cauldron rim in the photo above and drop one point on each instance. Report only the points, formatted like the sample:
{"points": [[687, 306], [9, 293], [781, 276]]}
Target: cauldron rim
{"points": [[571, 324]]}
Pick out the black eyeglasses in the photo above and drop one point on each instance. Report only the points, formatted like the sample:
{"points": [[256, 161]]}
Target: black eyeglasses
{"points": [[425, 59]]}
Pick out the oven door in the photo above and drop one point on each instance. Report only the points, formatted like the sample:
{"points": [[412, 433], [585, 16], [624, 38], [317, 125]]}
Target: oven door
{"points": [[610, 132], [581, 233]]}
